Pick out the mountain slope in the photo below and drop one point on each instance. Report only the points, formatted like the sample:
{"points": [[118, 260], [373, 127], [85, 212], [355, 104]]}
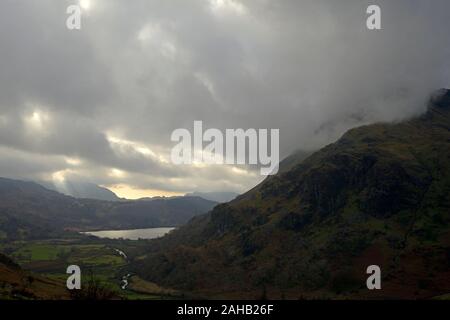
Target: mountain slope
{"points": [[379, 195], [82, 190], [28, 210], [214, 196], [162, 212], [21, 285]]}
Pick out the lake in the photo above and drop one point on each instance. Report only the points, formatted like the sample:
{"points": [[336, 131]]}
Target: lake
{"points": [[149, 233]]}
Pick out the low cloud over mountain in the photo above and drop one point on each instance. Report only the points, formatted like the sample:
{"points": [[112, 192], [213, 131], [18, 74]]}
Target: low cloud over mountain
{"points": [[101, 102]]}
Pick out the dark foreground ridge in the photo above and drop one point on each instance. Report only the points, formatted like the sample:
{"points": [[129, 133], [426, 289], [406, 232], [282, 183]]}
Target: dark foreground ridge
{"points": [[18, 284]]}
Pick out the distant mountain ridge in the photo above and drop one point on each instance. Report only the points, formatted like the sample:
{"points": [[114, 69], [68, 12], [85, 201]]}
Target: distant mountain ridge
{"points": [[87, 190], [28, 210], [377, 196], [82, 190], [214, 196]]}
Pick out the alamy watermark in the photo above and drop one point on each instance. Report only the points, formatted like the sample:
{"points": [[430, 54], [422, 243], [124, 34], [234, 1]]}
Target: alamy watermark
{"points": [[74, 280], [73, 21], [235, 146], [374, 280], [373, 22]]}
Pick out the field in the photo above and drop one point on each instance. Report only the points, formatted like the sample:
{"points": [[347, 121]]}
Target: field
{"points": [[97, 259]]}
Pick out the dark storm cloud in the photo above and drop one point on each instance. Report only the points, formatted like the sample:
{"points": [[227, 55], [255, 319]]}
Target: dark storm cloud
{"points": [[110, 94], [41, 62]]}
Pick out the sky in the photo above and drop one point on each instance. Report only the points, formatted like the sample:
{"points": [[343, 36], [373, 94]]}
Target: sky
{"points": [[99, 104]]}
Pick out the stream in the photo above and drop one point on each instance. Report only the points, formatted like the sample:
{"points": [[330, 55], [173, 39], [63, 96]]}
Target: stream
{"points": [[122, 254], [125, 278], [125, 281]]}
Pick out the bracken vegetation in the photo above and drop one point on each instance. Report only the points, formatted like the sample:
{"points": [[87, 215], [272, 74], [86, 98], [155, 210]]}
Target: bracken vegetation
{"points": [[379, 195]]}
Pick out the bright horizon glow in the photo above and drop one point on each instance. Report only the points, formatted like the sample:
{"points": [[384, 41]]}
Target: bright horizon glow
{"points": [[131, 193]]}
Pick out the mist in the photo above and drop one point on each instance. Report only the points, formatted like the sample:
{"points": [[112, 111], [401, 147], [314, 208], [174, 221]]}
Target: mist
{"points": [[100, 104]]}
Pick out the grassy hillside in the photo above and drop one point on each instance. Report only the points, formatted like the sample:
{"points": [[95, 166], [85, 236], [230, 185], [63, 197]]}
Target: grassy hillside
{"points": [[20, 285], [37, 270], [379, 195]]}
